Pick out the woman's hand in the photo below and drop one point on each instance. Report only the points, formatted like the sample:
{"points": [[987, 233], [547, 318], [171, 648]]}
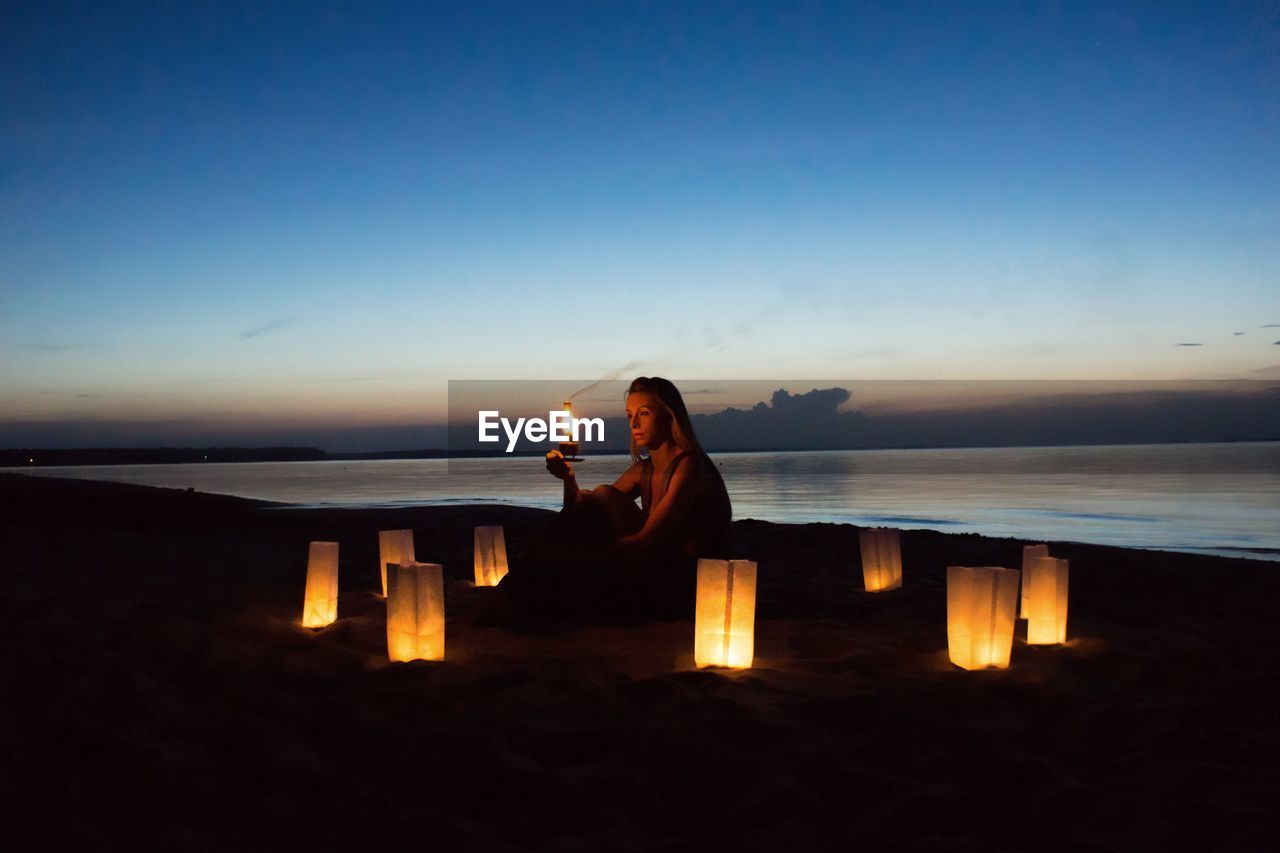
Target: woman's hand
{"points": [[559, 467]]}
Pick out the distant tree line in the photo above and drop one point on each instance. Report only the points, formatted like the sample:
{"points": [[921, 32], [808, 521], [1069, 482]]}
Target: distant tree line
{"points": [[27, 457]]}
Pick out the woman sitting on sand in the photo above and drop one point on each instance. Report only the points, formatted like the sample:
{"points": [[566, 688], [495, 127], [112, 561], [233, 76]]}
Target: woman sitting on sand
{"points": [[604, 558]]}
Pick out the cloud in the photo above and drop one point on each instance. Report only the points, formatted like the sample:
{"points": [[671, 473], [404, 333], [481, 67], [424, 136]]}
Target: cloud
{"points": [[1237, 333], [1270, 326], [264, 328], [814, 420], [1189, 345], [1273, 370]]}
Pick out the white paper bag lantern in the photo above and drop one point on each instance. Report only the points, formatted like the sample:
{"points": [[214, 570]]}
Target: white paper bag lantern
{"points": [[415, 611], [881, 559], [1029, 553], [491, 555], [394, 546], [725, 616], [1045, 584], [982, 606], [320, 603]]}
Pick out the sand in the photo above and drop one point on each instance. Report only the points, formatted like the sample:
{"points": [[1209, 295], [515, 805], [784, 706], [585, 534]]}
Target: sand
{"points": [[159, 693]]}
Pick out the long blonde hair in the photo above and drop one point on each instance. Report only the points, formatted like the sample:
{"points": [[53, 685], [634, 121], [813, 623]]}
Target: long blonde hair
{"points": [[669, 399]]}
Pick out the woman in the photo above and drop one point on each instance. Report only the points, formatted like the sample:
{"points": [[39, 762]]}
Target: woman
{"points": [[604, 558]]}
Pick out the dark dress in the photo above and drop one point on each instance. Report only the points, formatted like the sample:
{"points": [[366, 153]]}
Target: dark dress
{"points": [[560, 578]]}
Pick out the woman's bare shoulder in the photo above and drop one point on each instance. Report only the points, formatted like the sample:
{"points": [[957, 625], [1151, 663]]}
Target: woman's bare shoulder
{"points": [[697, 463], [689, 470], [702, 470]]}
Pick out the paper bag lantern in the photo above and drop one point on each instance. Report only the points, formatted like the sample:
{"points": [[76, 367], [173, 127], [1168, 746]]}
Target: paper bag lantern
{"points": [[491, 555], [1029, 553], [320, 603], [725, 616], [1044, 582], [981, 609], [881, 559], [415, 611], [394, 546]]}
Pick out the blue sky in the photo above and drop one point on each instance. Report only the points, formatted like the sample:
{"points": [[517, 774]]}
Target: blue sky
{"points": [[316, 215]]}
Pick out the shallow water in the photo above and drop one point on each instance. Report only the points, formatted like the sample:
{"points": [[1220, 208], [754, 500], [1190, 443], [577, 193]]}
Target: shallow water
{"points": [[1206, 498]]}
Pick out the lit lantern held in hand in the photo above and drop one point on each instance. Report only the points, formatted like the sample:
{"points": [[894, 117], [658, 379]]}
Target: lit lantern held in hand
{"points": [[725, 616], [320, 603], [415, 611], [881, 559], [569, 449], [982, 606], [491, 555], [394, 546], [1029, 553], [1045, 602]]}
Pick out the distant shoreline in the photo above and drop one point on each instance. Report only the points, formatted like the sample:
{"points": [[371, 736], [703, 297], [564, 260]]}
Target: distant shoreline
{"points": [[19, 458]]}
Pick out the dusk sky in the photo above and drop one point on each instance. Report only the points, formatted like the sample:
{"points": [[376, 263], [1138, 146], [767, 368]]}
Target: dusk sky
{"points": [[269, 216]]}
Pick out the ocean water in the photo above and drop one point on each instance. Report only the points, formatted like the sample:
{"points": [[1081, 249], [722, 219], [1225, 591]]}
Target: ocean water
{"points": [[1208, 498]]}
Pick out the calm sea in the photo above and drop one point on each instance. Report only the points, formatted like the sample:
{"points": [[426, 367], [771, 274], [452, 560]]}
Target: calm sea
{"points": [[1211, 498]]}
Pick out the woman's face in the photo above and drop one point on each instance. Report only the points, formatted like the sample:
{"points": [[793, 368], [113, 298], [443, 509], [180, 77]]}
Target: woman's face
{"points": [[649, 422]]}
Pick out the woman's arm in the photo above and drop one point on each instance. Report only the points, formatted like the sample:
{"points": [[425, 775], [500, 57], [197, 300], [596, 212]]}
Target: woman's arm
{"points": [[562, 470], [628, 481], [665, 517], [570, 491]]}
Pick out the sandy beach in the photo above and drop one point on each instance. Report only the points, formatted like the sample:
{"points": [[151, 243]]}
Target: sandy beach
{"points": [[160, 694]]}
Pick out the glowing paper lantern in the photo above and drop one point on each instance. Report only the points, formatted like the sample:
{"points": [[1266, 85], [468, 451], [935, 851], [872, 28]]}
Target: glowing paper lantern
{"points": [[1044, 581], [725, 616], [394, 546], [415, 611], [981, 609], [491, 555], [881, 559], [1029, 553], [320, 604]]}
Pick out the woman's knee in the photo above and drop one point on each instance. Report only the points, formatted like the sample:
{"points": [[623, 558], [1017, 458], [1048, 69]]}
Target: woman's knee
{"points": [[624, 516], [604, 492]]}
